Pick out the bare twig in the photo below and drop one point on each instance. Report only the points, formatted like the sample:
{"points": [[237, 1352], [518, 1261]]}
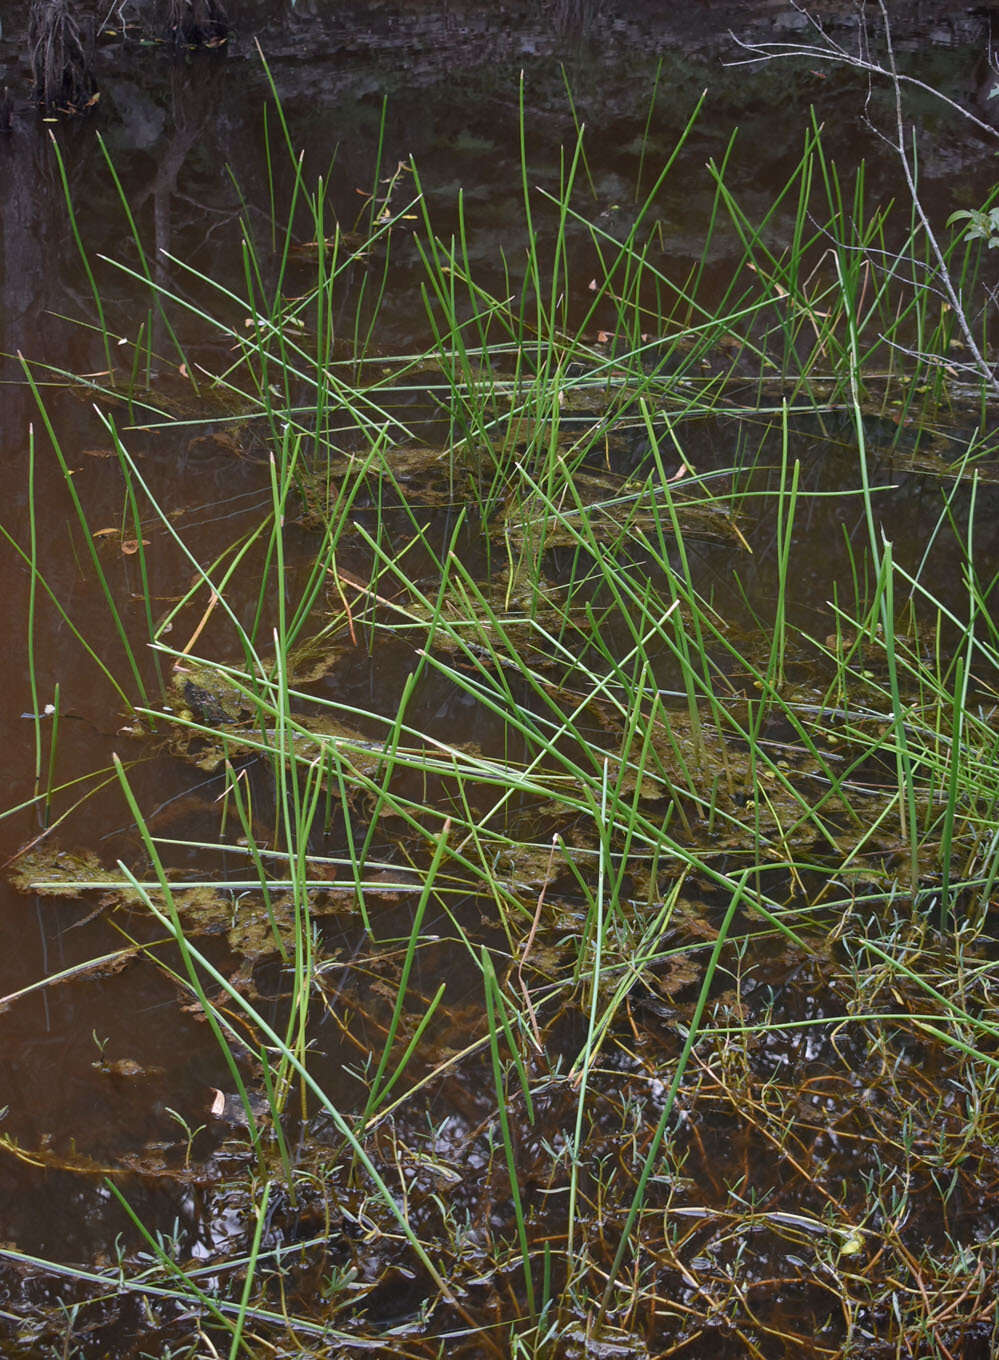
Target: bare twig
{"points": [[899, 145], [835, 52], [830, 50]]}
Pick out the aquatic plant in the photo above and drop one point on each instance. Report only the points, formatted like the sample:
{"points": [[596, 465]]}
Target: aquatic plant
{"points": [[629, 943]]}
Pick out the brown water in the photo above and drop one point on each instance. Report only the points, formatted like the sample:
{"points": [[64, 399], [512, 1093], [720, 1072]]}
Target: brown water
{"points": [[89, 1068]]}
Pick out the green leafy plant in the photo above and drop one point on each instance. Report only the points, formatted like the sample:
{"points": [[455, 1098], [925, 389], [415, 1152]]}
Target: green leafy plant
{"points": [[982, 224]]}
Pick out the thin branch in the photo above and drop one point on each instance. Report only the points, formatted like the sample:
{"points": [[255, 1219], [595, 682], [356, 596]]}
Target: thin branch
{"points": [[834, 52], [945, 278]]}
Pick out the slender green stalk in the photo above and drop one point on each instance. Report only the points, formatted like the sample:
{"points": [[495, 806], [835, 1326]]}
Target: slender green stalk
{"points": [[786, 501], [32, 597], [638, 1199], [492, 995], [84, 257], [244, 1301], [378, 1089], [95, 560]]}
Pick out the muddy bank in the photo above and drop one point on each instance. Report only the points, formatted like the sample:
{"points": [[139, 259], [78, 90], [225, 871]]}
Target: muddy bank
{"points": [[428, 41]]}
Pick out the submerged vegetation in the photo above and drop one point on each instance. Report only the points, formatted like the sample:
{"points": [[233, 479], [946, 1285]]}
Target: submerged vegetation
{"points": [[589, 855]]}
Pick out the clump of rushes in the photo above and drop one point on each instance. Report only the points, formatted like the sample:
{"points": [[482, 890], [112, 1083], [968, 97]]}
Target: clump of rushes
{"points": [[646, 976]]}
